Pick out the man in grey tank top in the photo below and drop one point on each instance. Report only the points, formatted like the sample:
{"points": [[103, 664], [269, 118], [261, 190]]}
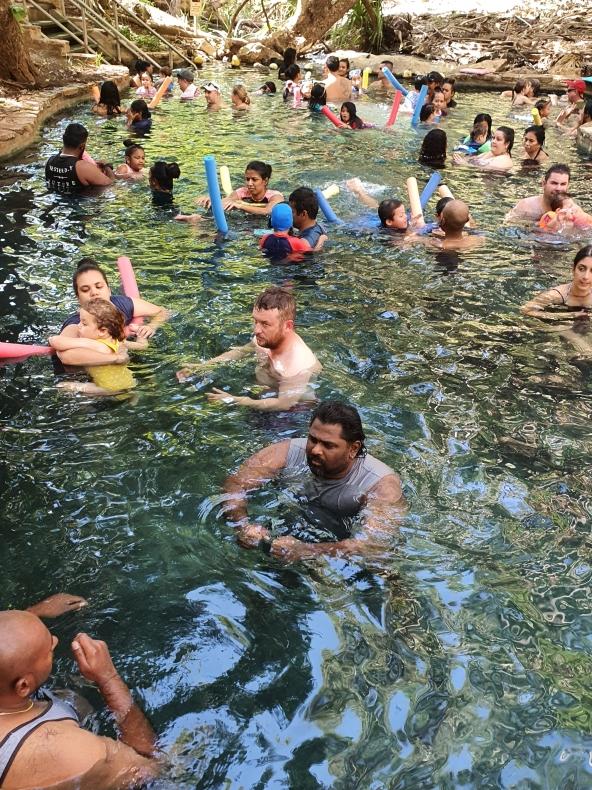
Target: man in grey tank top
{"points": [[332, 479]]}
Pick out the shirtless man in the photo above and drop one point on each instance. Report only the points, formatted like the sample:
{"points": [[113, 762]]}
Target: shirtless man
{"points": [[455, 217], [284, 362], [338, 89], [382, 84], [67, 172], [337, 481], [41, 742], [555, 183]]}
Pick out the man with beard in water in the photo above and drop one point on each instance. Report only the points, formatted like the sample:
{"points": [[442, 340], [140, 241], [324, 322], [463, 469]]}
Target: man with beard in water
{"points": [[555, 184], [336, 481]]}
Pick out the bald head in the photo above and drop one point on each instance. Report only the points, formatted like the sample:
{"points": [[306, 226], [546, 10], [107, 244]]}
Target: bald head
{"points": [[25, 644], [455, 215]]}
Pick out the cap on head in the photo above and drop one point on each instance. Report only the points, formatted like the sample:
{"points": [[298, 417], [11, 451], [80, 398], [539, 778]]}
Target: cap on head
{"points": [[281, 217], [577, 85], [211, 86], [186, 74]]}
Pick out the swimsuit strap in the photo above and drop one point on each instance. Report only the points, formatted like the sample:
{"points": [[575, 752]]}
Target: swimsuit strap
{"points": [[561, 295]]}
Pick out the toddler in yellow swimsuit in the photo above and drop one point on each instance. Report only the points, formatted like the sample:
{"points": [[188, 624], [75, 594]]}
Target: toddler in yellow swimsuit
{"points": [[101, 330]]}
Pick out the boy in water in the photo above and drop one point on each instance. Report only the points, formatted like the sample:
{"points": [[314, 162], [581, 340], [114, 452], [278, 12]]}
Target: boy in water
{"points": [[305, 208]]}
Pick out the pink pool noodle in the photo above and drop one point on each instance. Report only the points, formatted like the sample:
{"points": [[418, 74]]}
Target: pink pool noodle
{"points": [[19, 350], [88, 158], [129, 286]]}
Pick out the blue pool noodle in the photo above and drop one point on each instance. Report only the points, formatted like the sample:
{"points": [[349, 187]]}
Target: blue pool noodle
{"points": [[330, 215], [214, 192], [423, 92], [394, 81], [429, 189]]}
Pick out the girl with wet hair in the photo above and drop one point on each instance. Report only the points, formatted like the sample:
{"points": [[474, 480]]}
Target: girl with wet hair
{"points": [[349, 115], [433, 148], [135, 159], [161, 177], [254, 197], [109, 100]]}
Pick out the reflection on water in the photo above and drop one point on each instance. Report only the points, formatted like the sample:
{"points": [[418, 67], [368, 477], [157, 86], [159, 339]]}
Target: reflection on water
{"points": [[463, 660]]}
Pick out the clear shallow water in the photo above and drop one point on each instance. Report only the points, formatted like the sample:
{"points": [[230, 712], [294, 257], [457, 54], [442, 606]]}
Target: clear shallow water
{"points": [[465, 661]]}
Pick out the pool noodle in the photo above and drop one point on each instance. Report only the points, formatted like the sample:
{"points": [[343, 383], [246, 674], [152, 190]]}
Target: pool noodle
{"points": [[415, 203], [86, 157], [423, 92], [163, 88], [95, 93], [332, 117], [536, 116], [393, 80], [19, 350], [330, 191], [366, 77], [443, 191], [325, 207], [214, 192], [394, 109], [129, 286], [429, 189], [225, 180]]}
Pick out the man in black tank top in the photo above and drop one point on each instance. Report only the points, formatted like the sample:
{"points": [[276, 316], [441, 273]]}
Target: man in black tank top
{"points": [[332, 479], [67, 173]]}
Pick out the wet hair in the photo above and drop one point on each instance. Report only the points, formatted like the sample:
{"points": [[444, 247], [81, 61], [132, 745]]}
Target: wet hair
{"points": [[269, 87], [484, 117], [354, 121], [386, 209], [587, 111], [441, 204], [478, 129], [165, 71], [75, 134], [334, 412], [262, 168], [109, 96], [332, 63], [139, 105], [107, 317], [435, 76], [318, 94], [140, 66], [131, 148], [241, 92], [388, 63], [304, 199], [563, 169], [274, 298], [433, 148], [418, 82], [536, 86], [519, 87], [585, 252], [346, 61], [539, 133], [450, 81], [425, 112], [542, 103], [292, 71], [87, 265], [289, 56], [508, 134], [164, 173]]}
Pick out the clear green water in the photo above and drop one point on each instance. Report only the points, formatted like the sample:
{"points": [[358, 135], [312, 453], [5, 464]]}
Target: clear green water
{"points": [[464, 663]]}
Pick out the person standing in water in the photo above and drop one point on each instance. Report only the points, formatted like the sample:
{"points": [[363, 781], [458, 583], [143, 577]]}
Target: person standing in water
{"points": [[67, 172], [285, 363], [337, 481]]}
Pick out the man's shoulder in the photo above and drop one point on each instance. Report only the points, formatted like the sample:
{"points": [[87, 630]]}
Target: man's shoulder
{"points": [[378, 468]]}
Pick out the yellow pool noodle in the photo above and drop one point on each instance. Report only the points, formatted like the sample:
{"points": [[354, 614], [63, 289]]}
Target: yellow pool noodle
{"points": [[415, 203], [366, 77], [331, 191], [225, 180]]}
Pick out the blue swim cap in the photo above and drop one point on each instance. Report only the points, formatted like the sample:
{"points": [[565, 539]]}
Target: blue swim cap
{"points": [[281, 216]]}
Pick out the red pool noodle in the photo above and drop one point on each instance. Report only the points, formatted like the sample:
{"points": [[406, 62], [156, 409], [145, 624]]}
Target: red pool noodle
{"points": [[395, 108], [20, 350], [332, 117]]}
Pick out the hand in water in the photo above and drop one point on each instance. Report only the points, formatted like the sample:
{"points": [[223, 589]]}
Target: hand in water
{"points": [[250, 535], [219, 396], [58, 604], [289, 549], [189, 369], [204, 201], [145, 331], [354, 185], [93, 659]]}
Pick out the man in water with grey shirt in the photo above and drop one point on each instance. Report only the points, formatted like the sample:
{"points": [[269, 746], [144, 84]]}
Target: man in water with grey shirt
{"points": [[337, 481]]}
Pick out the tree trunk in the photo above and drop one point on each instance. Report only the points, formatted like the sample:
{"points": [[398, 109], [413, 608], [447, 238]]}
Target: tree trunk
{"points": [[310, 22], [15, 62]]}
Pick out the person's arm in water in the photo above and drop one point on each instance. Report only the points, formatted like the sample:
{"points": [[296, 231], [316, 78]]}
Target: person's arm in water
{"points": [[91, 175], [57, 604], [78, 351], [157, 315], [236, 352], [251, 475], [259, 209], [355, 186], [290, 392], [384, 510], [536, 307]]}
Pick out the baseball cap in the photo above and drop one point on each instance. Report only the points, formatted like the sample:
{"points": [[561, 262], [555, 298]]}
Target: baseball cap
{"points": [[281, 217], [211, 86], [577, 85], [185, 74]]}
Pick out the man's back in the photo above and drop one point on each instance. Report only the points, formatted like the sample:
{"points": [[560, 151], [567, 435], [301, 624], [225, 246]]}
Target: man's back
{"points": [[338, 89]]}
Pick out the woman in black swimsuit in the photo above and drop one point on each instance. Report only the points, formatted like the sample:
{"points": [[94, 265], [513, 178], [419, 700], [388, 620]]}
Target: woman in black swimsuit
{"points": [[534, 140]]}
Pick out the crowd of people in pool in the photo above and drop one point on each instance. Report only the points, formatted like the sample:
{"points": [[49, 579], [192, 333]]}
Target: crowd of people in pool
{"points": [[40, 735]]}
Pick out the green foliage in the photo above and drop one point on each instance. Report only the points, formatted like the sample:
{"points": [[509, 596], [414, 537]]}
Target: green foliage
{"points": [[145, 41], [362, 29]]}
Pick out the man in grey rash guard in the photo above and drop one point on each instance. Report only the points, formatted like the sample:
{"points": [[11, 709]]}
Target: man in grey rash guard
{"points": [[337, 481]]}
